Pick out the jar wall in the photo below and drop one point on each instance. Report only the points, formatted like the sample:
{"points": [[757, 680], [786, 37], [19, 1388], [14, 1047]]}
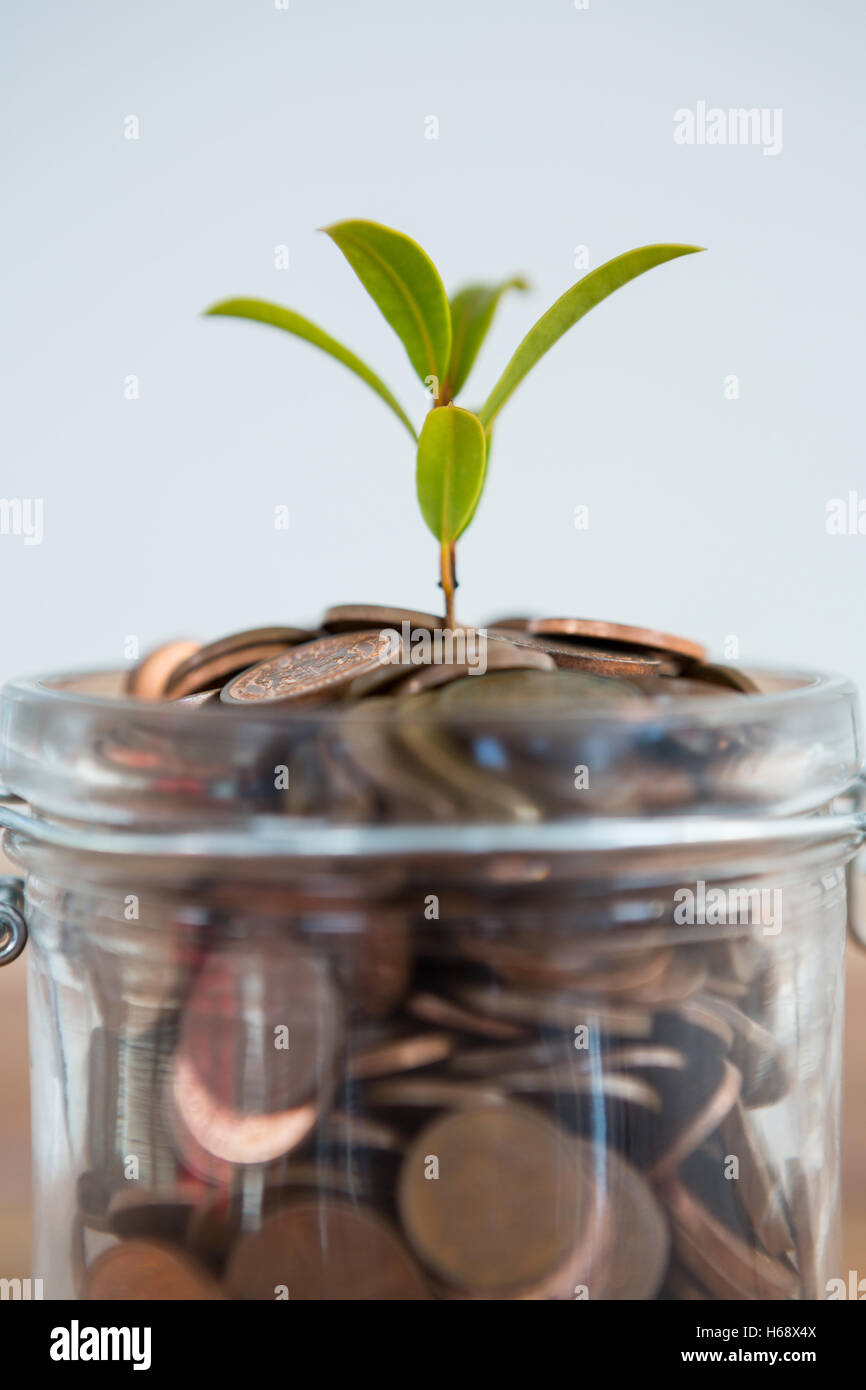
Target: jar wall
{"points": [[506, 1082]]}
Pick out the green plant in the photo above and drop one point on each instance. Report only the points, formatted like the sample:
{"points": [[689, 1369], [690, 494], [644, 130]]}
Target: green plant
{"points": [[442, 339]]}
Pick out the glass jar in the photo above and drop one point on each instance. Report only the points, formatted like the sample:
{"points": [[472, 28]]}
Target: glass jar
{"points": [[390, 1003]]}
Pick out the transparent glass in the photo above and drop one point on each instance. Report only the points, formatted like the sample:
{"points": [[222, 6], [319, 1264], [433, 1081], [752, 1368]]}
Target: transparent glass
{"points": [[368, 1005]]}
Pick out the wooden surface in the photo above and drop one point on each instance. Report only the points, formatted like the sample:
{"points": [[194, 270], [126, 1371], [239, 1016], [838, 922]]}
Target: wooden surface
{"points": [[14, 1122]]}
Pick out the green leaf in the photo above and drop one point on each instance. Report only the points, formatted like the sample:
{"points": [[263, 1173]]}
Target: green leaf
{"points": [[405, 284], [488, 443], [450, 475], [570, 307], [472, 311], [262, 312]]}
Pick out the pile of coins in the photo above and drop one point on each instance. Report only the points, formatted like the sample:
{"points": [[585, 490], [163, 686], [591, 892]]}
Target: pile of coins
{"points": [[362, 650], [506, 1086]]}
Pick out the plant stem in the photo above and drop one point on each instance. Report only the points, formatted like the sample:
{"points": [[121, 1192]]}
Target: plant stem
{"points": [[448, 581]]}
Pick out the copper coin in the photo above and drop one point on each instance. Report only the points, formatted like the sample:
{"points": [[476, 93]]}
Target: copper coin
{"points": [[145, 1270], [492, 1061], [372, 747], [701, 1123], [755, 1051], [353, 617], [499, 657], [354, 1131], [262, 1029], [683, 976], [324, 1250], [649, 1055], [592, 630], [697, 1013], [566, 963], [723, 1262], [540, 694], [204, 697], [759, 1193], [399, 1054], [256, 1053], [569, 656], [479, 792], [161, 1213], [432, 1093], [510, 624], [312, 672], [434, 1008], [729, 677], [565, 1080], [508, 1210], [148, 680], [640, 1245], [555, 1009], [522, 1057], [212, 665], [228, 1133]]}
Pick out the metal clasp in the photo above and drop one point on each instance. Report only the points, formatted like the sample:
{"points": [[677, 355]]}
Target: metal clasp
{"points": [[13, 928], [855, 872]]}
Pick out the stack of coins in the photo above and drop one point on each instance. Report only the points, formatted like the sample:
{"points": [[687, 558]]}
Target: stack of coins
{"points": [[487, 1081]]}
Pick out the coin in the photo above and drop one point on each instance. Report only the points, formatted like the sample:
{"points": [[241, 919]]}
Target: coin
{"points": [[145, 1270], [353, 617], [161, 1213], [611, 1086], [433, 1008], [713, 1105], [760, 1194], [399, 1054], [724, 1263], [204, 697], [640, 1244], [256, 1053], [509, 624], [589, 629], [544, 694], [492, 1061], [370, 743], [756, 1053], [211, 665], [567, 656], [479, 792], [313, 671], [716, 675], [324, 1249], [147, 680], [227, 1133], [361, 1131], [498, 657], [511, 1212], [555, 1009], [433, 1093]]}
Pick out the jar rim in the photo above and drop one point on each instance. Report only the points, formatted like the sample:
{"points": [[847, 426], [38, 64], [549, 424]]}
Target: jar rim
{"points": [[95, 759], [795, 688]]}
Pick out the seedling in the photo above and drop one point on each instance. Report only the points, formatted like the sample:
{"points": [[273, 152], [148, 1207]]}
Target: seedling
{"points": [[442, 339]]}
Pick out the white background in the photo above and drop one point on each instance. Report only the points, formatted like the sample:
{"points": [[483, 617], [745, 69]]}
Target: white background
{"points": [[257, 125]]}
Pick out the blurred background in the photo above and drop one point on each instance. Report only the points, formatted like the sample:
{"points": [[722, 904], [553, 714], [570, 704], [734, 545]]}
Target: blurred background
{"points": [[162, 156]]}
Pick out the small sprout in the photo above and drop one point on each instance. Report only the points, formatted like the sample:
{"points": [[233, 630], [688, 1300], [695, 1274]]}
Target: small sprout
{"points": [[442, 340]]}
